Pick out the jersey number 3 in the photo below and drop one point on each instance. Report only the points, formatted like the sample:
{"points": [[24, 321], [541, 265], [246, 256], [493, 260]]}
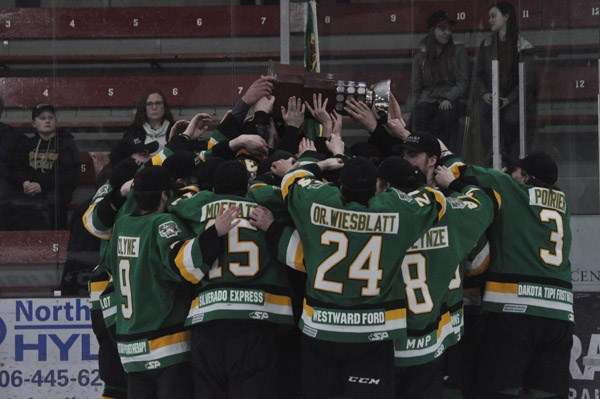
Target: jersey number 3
{"points": [[553, 258]]}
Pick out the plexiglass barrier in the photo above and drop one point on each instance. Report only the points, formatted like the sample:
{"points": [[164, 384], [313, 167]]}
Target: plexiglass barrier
{"points": [[91, 64]]}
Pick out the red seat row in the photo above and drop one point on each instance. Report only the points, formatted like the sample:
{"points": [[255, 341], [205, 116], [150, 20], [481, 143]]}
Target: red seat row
{"points": [[41, 249], [124, 91], [33, 247], [240, 21], [556, 83]]}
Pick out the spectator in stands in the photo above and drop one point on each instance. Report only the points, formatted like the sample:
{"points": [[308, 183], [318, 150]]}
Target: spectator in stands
{"points": [[9, 139], [153, 119], [440, 81], [45, 174], [506, 45]]}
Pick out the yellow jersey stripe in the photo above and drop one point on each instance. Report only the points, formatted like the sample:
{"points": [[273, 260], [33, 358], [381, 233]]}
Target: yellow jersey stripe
{"points": [[441, 200], [98, 286], [507, 288], [278, 299], [498, 199], [455, 168], [185, 264], [395, 314], [444, 321], [176, 338], [308, 309], [289, 179], [88, 223]]}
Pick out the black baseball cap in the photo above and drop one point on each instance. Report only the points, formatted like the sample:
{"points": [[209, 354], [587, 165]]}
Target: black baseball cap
{"points": [[439, 18], [231, 177], [40, 108], [540, 166], [205, 172], [127, 146], [180, 165], [152, 178], [422, 142], [359, 174], [400, 173]]}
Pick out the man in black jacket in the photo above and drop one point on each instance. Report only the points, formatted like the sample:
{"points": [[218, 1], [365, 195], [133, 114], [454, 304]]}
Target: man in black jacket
{"points": [[45, 173]]}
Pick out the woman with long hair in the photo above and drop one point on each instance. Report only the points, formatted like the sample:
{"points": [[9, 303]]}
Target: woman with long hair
{"points": [[153, 119], [506, 45], [440, 81]]}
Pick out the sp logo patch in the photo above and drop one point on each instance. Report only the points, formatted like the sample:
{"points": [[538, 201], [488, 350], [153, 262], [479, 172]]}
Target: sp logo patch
{"points": [[151, 365], [378, 336]]}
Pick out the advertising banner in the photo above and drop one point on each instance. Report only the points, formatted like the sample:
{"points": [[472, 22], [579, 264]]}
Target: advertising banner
{"points": [[48, 349], [585, 380], [585, 253]]}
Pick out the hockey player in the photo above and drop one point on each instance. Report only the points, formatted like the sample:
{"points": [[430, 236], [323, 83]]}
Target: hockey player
{"points": [[148, 253], [109, 201], [429, 270], [528, 298], [352, 242], [422, 150], [239, 305]]}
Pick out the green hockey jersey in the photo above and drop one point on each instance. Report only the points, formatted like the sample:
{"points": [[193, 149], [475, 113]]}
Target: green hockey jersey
{"points": [[530, 242], [147, 260], [100, 285], [466, 298], [244, 282], [351, 255], [430, 271]]}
